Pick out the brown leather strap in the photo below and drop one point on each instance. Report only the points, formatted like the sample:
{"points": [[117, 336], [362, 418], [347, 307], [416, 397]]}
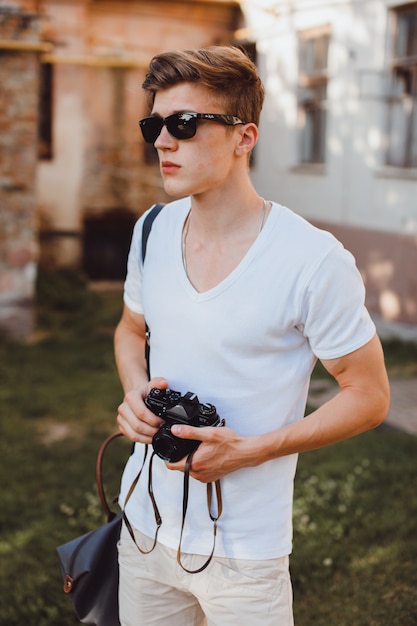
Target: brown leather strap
{"points": [[99, 476], [158, 520], [100, 487]]}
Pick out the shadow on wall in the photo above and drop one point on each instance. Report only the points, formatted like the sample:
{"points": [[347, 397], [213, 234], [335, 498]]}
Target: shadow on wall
{"points": [[388, 265]]}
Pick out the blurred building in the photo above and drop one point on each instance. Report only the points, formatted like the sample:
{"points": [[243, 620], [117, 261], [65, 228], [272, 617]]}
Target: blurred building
{"points": [[338, 136], [21, 47], [74, 171], [338, 141]]}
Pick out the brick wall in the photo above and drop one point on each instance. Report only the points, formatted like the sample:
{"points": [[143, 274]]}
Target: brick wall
{"points": [[19, 86]]}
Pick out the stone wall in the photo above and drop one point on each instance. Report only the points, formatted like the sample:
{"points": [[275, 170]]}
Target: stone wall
{"points": [[19, 85]]}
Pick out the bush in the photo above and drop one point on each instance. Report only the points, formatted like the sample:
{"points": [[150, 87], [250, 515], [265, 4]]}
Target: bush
{"points": [[64, 301]]}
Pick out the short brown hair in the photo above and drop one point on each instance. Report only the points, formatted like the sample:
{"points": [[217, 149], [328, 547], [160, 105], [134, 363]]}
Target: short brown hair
{"points": [[225, 71]]}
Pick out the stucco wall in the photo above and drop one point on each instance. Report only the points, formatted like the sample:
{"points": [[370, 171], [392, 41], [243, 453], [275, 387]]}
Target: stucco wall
{"points": [[353, 189]]}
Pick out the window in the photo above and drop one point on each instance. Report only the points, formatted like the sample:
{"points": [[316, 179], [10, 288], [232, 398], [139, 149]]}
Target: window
{"points": [[106, 243], [402, 100], [45, 110], [312, 94]]}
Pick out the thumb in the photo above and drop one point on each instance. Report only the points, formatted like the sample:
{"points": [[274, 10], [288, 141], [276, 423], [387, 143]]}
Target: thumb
{"points": [[159, 382], [187, 432]]}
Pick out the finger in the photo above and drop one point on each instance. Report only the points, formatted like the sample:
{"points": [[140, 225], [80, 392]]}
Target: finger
{"points": [[206, 433], [133, 408], [159, 382], [188, 432], [131, 433], [179, 466], [135, 429], [136, 426], [204, 475]]}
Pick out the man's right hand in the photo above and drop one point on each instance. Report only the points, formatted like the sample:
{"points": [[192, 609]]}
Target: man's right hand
{"points": [[135, 420]]}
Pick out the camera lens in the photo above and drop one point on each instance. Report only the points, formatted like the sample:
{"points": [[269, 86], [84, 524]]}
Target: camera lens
{"points": [[171, 448], [166, 448]]}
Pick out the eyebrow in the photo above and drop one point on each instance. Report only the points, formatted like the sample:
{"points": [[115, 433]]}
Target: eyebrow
{"points": [[176, 112]]}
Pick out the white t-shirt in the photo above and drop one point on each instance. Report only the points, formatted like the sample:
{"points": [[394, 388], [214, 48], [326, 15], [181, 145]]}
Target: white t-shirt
{"points": [[248, 346]]}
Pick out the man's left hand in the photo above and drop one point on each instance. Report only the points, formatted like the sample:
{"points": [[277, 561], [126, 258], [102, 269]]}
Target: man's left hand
{"points": [[221, 452]]}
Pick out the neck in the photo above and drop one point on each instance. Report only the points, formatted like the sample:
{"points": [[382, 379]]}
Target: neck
{"points": [[209, 255], [218, 215]]}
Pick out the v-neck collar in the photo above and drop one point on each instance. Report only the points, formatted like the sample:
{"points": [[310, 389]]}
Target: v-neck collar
{"points": [[253, 250]]}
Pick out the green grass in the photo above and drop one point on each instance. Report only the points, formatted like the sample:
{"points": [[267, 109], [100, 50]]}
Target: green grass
{"points": [[355, 547], [355, 544]]}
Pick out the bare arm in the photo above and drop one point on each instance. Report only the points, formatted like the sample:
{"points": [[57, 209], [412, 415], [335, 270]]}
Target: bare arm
{"points": [[134, 419], [361, 404]]}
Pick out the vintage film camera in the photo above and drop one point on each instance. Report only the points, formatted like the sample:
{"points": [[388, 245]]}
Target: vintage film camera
{"points": [[174, 408]]}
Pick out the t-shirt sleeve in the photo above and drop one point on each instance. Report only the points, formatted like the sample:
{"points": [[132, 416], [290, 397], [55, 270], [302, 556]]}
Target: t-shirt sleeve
{"points": [[132, 295], [335, 319]]}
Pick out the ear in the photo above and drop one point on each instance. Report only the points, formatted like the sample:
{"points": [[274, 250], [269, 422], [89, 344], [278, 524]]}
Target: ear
{"points": [[247, 138]]}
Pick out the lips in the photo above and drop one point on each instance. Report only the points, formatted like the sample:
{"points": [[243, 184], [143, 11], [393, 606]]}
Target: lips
{"points": [[168, 167]]}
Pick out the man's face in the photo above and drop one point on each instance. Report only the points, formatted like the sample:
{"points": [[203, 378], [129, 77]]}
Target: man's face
{"points": [[204, 162]]}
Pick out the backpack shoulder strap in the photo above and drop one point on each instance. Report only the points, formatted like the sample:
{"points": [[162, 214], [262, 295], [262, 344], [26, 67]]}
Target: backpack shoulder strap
{"points": [[146, 229], [147, 225]]}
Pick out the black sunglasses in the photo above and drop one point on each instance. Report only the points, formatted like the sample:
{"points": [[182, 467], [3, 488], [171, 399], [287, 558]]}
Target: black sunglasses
{"points": [[181, 125]]}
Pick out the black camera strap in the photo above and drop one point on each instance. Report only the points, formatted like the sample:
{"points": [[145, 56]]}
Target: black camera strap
{"points": [[214, 518], [158, 519]]}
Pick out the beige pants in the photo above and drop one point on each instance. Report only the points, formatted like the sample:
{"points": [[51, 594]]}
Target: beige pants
{"points": [[155, 590]]}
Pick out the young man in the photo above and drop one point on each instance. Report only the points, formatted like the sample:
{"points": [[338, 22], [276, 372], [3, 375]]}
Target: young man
{"points": [[242, 297]]}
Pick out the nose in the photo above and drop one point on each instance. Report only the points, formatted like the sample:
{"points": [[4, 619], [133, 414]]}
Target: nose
{"points": [[164, 140]]}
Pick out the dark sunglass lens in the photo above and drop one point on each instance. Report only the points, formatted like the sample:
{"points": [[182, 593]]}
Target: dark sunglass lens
{"points": [[181, 125], [151, 127]]}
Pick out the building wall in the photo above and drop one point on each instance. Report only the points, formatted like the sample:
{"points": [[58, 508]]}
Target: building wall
{"points": [[98, 163], [20, 49], [372, 207], [98, 167], [70, 197]]}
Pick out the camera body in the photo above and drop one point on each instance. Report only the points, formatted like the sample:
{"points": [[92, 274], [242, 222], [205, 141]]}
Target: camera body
{"points": [[175, 408]]}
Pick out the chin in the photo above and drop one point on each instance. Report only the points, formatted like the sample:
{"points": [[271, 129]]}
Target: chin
{"points": [[174, 192]]}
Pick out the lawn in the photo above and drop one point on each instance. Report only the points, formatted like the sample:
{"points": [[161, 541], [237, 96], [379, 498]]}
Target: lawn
{"points": [[355, 545]]}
